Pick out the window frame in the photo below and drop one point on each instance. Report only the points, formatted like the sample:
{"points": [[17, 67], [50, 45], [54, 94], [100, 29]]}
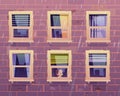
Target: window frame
{"points": [[97, 79], [11, 66], [49, 67], [11, 28], [49, 33], [107, 27]]}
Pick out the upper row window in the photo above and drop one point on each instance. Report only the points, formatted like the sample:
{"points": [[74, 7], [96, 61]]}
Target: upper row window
{"points": [[59, 26], [20, 26]]}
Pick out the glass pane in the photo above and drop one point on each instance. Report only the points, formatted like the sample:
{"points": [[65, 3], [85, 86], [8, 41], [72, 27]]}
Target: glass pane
{"points": [[21, 59], [59, 59], [21, 20], [97, 33], [98, 20], [56, 33], [59, 72], [55, 20], [20, 32], [21, 72], [97, 72], [97, 59]]}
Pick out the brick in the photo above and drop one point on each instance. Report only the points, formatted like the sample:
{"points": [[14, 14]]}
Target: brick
{"points": [[35, 88], [16, 87], [26, 94]]}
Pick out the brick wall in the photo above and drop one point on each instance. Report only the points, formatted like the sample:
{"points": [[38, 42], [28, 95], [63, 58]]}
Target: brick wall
{"points": [[78, 86]]}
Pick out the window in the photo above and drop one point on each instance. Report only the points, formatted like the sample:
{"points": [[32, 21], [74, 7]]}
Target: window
{"points": [[59, 26], [59, 66], [97, 66], [20, 26], [98, 26], [21, 65]]}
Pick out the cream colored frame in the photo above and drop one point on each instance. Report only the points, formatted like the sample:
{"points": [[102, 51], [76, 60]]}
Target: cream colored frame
{"points": [[30, 28], [107, 27], [97, 79], [49, 33], [11, 72], [49, 71]]}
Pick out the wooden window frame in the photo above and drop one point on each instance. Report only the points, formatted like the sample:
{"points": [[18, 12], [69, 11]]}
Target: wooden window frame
{"points": [[11, 28], [107, 27], [49, 71], [11, 72], [49, 33], [97, 79]]}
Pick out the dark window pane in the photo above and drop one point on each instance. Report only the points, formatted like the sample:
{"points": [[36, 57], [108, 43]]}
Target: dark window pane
{"points": [[59, 59], [20, 32], [55, 20], [21, 20], [97, 59], [97, 33], [21, 59], [98, 20], [21, 72], [97, 72], [56, 33], [59, 72]]}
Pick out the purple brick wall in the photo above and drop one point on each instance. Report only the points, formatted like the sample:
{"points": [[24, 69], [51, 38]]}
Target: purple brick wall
{"points": [[78, 86]]}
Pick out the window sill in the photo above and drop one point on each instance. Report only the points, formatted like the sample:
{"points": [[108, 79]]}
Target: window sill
{"points": [[21, 80], [59, 41], [98, 41], [57, 80], [96, 80], [21, 41]]}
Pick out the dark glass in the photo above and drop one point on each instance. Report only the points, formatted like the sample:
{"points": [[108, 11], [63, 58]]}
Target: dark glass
{"points": [[98, 20], [97, 59], [97, 72], [21, 59], [56, 33], [21, 20], [59, 72], [55, 20], [21, 72], [20, 32]]}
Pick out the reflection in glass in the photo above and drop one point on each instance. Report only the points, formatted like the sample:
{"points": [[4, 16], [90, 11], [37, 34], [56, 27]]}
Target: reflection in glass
{"points": [[56, 33], [20, 32]]}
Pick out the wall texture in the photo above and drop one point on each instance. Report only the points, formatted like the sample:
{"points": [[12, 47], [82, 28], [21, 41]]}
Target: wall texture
{"points": [[78, 86]]}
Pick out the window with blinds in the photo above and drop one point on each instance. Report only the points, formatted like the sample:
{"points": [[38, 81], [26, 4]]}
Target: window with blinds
{"points": [[97, 65], [98, 26], [59, 26], [21, 65], [59, 65], [21, 26]]}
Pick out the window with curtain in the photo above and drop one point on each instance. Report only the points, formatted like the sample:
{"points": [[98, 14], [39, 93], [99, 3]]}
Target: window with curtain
{"points": [[59, 65], [98, 26], [97, 65], [59, 25], [21, 65], [20, 26]]}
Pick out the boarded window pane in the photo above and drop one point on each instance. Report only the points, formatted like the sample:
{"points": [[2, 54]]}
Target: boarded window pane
{"points": [[20, 32], [97, 72], [98, 20], [21, 59], [97, 59], [21, 20], [59, 72]]}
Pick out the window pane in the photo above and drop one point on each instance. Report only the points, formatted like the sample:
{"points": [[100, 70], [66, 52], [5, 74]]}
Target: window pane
{"points": [[21, 59], [98, 20], [97, 59], [97, 72], [20, 32], [56, 33], [59, 72], [21, 72], [21, 20], [55, 20], [97, 33], [59, 59]]}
